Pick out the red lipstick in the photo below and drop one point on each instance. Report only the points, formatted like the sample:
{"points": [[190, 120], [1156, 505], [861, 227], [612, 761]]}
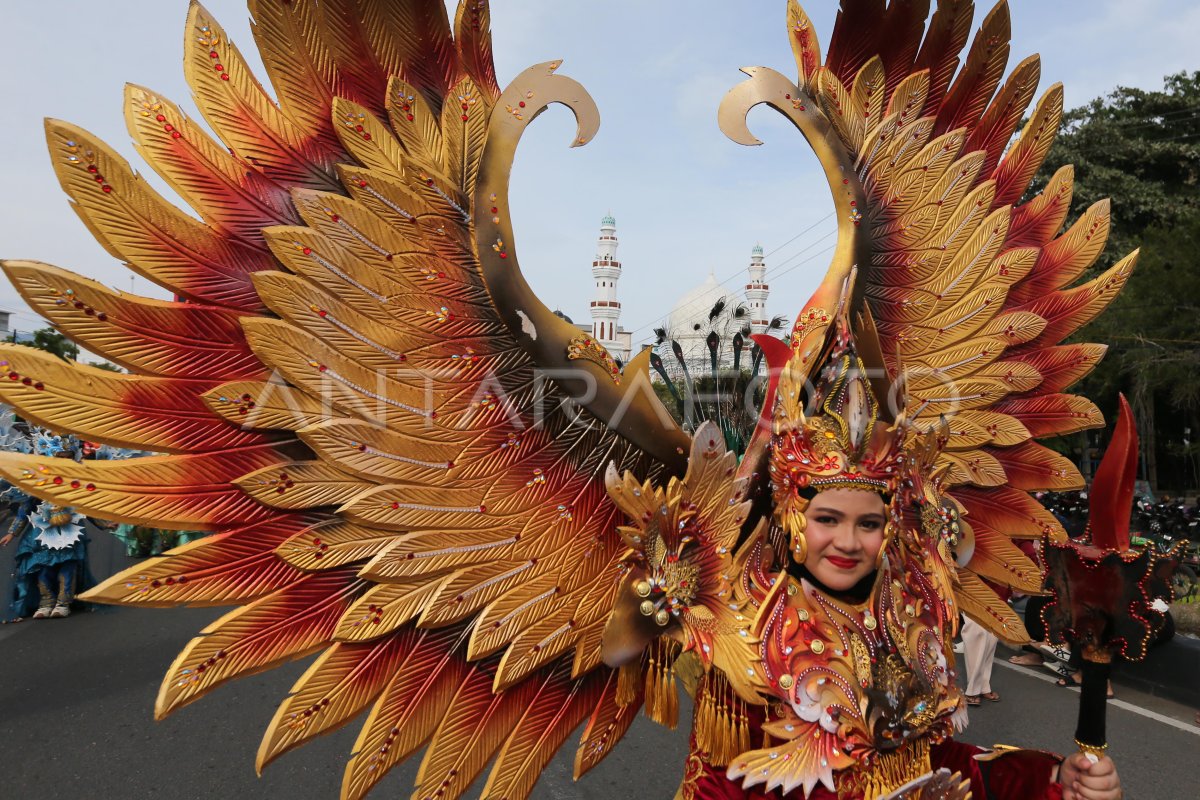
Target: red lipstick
{"points": [[842, 563]]}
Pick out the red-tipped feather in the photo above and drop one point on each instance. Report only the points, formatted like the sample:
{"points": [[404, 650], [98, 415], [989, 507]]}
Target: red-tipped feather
{"points": [[855, 39], [1111, 498]]}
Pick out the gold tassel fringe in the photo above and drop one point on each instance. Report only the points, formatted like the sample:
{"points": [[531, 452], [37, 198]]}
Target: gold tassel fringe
{"points": [[888, 771], [629, 679], [662, 693], [722, 725]]}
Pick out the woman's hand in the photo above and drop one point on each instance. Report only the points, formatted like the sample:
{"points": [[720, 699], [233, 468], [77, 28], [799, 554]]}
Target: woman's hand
{"points": [[1083, 780], [4, 540]]}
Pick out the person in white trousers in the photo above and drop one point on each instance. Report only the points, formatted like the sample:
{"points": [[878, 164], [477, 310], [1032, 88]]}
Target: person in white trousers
{"points": [[979, 646]]}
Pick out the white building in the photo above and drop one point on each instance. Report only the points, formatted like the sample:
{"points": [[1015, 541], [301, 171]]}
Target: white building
{"points": [[757, 291], [690, 321], [606, 309], [711, 308]]}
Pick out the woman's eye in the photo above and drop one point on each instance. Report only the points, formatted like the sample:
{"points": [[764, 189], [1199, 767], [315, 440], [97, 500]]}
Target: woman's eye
{"points": [[825, 520], [870, 524]]}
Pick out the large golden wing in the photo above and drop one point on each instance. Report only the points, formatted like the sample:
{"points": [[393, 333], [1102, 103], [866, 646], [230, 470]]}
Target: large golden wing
{"points": [[350, 397], [971, 291]]}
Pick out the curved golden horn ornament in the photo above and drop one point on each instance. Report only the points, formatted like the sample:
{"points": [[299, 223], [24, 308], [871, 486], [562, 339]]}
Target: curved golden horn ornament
{"points": [[766, 86], [628, 406], [839, 290]]}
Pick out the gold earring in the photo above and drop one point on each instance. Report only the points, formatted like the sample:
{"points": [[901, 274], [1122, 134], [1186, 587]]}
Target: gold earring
{"points": [[799, 546], [889, 532]]}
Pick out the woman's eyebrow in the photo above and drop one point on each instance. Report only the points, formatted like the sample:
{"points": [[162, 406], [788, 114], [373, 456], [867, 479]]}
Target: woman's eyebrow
{"points": [[827, 510]]}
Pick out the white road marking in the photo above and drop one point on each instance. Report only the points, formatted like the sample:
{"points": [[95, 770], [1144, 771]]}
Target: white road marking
{"points": [[1121, 704]]}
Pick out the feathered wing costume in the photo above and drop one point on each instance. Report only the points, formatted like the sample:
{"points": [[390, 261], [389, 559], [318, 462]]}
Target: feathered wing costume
{"points": [[352, 396]]}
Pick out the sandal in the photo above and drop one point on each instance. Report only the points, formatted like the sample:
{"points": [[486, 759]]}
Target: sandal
{"points": [[1026, 660], [1054, 652], [991, 697], [973, 700]]}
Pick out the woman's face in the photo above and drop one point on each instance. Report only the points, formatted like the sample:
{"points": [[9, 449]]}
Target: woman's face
{"points": [[844, 533]]}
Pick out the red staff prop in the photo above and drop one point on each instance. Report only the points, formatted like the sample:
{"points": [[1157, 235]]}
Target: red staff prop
{"points": [[1110, 600]]}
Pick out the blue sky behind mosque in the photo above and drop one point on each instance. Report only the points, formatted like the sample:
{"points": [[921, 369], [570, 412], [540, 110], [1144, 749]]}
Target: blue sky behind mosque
{"points": [[687, 200]]}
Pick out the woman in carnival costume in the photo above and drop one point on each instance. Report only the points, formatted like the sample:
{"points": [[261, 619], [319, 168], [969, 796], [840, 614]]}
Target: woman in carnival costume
{"points": [[352, 401], [825, 638]]}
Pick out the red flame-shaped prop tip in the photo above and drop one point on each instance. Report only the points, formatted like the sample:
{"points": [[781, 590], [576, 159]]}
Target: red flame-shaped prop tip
{"points": [[1111, 500]]}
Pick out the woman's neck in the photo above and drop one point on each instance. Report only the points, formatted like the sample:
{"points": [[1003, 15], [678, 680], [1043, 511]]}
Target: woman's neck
{"points": [[855, 595]]}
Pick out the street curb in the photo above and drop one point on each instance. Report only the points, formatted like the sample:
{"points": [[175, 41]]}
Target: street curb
{"points": [[1170, 671]]}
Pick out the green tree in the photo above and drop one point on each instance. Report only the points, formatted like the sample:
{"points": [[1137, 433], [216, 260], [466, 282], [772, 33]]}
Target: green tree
{"points": [[1142, 149], [51, 341]]}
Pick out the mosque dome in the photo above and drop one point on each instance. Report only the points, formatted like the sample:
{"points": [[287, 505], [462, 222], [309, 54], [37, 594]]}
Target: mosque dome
{"points": [[609, 221], [690, 314], [692, 322]]}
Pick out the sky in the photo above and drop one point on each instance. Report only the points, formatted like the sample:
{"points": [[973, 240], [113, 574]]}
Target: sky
{"points": [[687, 200]]}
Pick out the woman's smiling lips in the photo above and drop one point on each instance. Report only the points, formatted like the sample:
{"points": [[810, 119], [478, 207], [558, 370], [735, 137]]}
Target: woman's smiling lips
{"points": [[842, 563]]}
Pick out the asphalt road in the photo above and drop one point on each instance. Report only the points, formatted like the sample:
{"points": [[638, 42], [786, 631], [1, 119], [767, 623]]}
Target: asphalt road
{"points": [[76, 699]]}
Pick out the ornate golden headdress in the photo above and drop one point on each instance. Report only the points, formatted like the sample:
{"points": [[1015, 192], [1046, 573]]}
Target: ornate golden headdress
{"points": [[846, 444]]}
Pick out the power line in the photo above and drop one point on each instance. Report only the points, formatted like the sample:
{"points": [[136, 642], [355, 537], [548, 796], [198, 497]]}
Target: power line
{"points": [[697, 305], [798, 235]]}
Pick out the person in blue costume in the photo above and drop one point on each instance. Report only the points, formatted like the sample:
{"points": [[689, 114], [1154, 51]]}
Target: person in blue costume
{"points": [[50, 566]]}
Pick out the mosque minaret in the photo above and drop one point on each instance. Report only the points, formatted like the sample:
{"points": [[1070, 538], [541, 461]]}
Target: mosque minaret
{"points": [[606, 309], [757, 291], [690, 322]]}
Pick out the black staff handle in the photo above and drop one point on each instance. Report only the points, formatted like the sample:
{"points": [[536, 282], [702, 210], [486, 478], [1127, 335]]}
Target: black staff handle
{"points": [[1090, 732]]}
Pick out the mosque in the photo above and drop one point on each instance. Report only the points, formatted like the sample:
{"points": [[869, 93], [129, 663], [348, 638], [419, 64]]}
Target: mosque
{"points": [[691, 320]]}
